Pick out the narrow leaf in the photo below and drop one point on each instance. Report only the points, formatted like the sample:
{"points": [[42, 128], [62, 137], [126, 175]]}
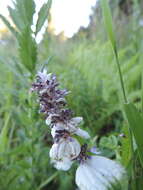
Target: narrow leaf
{"points": [[48, 180], [22, 13], [43, 15], [27, 50], [15, 18], [126, 148], [11, 28], [136, 124], [3, 135], [108, 21], [109, 27]]}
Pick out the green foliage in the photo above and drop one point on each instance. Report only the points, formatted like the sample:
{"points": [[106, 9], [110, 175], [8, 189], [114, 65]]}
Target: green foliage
{"points": [[42, 15], [136, 122], [3, 135], [22, 13], [87, 67], [108, 22], [22, 17], [6, 22], [27, 50]]}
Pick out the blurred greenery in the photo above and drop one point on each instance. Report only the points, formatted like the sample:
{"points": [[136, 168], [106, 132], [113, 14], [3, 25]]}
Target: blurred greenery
{"points": [[85, 64]]}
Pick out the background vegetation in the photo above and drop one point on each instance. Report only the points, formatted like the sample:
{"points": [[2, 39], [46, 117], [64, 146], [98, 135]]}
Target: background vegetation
{"points": [[84, 64]]}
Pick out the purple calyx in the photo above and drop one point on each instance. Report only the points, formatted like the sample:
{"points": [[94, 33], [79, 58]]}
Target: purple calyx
{"points": [[83, 156]]}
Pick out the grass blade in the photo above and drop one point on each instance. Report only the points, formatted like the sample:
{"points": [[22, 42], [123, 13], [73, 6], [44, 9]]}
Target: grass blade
{"points": [[48, 180], [108, 21], [109, 28], [3, 134]]}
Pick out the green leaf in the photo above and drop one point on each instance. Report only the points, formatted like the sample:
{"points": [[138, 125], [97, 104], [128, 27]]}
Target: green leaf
{"points": [[27, 50], [126, 148], [46, 182], [108, 21], [3, 134], [43, 15], [109, 27], [11, 28], [136, 125], [15, 18], [110, 142], [22, 13]]}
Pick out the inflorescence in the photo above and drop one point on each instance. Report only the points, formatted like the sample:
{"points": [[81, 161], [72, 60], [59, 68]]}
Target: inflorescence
{"points": [[94, 172]]}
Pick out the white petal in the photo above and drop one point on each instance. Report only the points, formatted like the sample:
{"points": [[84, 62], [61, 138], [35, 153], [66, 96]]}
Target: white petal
{"points": [[98, 173], [53, 153], [86, 179], [57, 127], [76, 120], [61, 100], [48, 120], [109, 168], [82, 133], [64, 164], [95, 150], [65, 148], [43, 91], [44, 76]]}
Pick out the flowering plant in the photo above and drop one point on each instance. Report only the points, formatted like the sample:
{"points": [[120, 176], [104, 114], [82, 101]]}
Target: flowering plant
{"points": [[94, 171]]}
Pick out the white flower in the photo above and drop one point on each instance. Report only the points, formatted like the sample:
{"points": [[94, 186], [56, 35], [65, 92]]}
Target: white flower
{"points": [[64, 164], [72, 125], [58, 127], [49, 119], [76, 121], [70, 128], [98, 173], [66, 147], [44, 76], [82, 133]]}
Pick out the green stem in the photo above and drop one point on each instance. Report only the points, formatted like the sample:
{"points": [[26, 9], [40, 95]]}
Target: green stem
{"points": [[46, 182], [130, 132], [142, 90], [141, 57]]}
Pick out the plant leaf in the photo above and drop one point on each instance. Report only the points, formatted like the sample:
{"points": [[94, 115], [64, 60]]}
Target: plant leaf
{"points": [[46, 182], [108, 21], [22, 13], [11, 28], [27, 50], [42, 15], [136, 125], [126, 148], [3, 134]]}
